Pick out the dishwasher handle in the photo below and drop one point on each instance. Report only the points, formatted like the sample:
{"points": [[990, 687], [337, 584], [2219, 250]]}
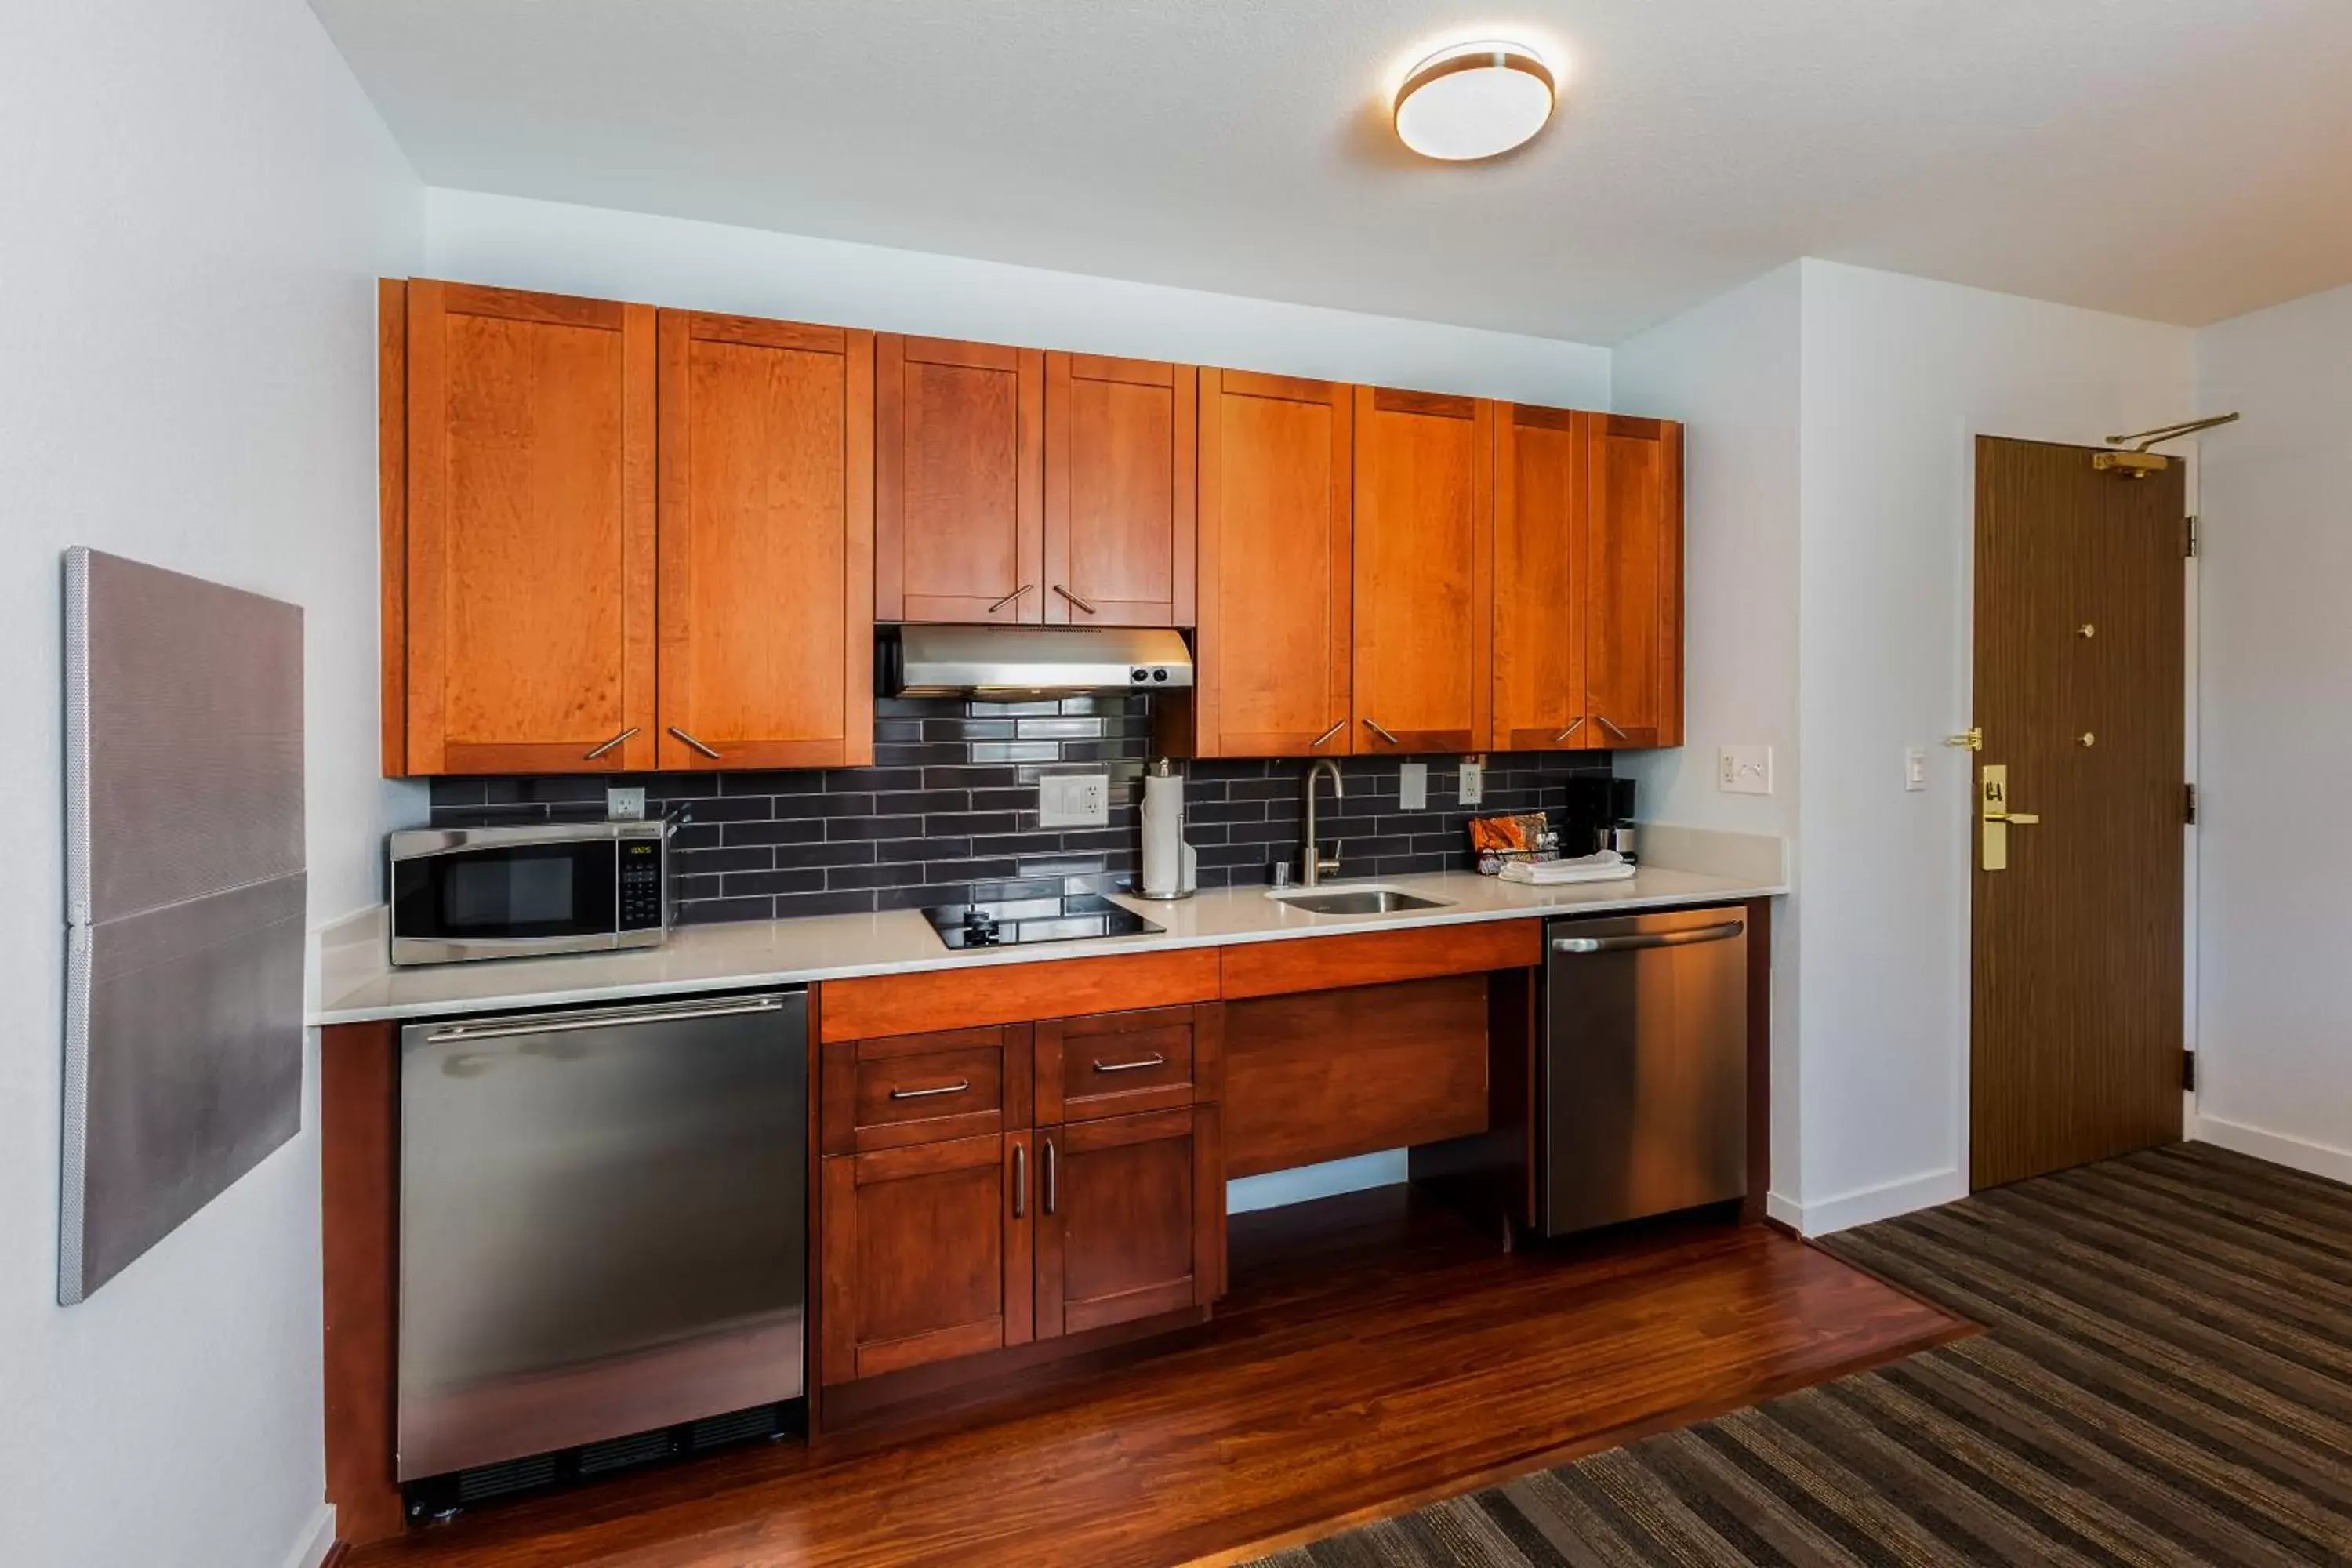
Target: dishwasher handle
{"points": [[565, 1024], [1627, 944]]}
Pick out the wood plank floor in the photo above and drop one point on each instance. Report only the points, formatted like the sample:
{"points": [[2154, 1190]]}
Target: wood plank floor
{"points": [[1374, 1353]]}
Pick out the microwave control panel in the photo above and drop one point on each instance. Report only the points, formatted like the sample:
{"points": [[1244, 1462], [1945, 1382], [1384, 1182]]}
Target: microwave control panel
{"points": [[641, 884]]}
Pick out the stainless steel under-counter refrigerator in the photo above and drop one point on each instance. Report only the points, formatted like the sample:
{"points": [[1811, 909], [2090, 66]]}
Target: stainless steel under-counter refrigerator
{"points": [[603, 1223], [1644, 1095]]}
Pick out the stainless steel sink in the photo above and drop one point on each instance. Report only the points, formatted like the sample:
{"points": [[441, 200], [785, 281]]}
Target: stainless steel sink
{"points": [[1358, 900]]}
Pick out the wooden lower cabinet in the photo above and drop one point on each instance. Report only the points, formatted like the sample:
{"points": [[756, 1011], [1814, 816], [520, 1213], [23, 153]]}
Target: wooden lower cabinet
{"points": [[924, 1254], [950, 1226], [1131, 1218]]}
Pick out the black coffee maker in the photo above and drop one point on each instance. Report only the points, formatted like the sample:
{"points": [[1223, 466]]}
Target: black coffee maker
{"points": [[1599, 815]]}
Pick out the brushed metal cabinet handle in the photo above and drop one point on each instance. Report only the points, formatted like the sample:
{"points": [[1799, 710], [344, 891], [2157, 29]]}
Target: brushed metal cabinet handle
{"points": [[1327, 735], [1573, 726], [1154, 1060], [1612, 728], [1021, 1181], [1074, 599], [1383, 734], [608, 745], [1053, 1178], [1009, 598], [706, 751], [956, 1088]]}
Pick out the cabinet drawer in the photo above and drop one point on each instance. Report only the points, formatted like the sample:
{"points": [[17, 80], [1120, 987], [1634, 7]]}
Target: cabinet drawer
{"points": [[1114, 1064], [904, 1089]]}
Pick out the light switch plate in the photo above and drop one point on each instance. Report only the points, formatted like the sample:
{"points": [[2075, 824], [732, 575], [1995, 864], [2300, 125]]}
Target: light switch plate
{"points": [[1744, 770], [624, 805], [1915, 767], [1074, 800], [1412, 786], [1474, 782]]}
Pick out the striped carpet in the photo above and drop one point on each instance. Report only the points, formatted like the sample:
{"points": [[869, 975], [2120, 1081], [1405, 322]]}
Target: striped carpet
{"points": [[2165, 1378]]}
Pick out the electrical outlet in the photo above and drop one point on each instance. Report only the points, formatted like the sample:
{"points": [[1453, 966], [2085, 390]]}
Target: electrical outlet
{"points": [[1412, 786], [1074, 800], [624, 805], [1744, 770], [1474, 782]]}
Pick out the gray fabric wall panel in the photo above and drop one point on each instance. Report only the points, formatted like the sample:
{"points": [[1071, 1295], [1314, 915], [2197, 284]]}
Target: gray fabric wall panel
{"points": [[185, 902]]}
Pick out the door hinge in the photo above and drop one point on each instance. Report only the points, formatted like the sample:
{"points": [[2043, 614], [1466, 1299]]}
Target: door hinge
{"points": [[2189, 813], [2189, 537]]}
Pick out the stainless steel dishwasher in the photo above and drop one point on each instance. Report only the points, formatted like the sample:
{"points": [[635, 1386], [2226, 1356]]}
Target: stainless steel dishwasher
{"points": [[1644, 1066], [603, 1223]]}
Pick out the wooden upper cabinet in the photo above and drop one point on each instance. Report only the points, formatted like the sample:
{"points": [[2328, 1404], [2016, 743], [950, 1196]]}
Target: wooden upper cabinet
{"points": [[767, 543], [1540, 505], [530, 532], [1423, 560], [959, 481], [1130, 1219], [1119, 510], [1273, 646], [1634, 595]]}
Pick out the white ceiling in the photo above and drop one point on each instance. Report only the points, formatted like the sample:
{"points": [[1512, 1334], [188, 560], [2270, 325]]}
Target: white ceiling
{"points": [[2184, 159]]}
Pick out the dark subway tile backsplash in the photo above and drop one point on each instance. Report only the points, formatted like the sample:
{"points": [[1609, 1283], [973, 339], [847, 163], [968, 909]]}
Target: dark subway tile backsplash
{"points": [[950, 803]]}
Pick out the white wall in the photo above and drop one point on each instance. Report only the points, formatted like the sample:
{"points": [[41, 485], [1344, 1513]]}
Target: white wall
{"points": [[1899, 374], [2274, 1034], [507, 240], [194, 203], [1730, 369]]}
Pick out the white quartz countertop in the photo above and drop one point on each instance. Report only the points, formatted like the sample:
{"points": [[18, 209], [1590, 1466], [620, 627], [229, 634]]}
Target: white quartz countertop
{"points": [[839, 947]]}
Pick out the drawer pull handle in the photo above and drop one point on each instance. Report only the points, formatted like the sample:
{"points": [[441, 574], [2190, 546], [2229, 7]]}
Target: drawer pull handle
{"points": [[1052, 1179], [1021, 1181], [956, 1088], [1154, 1060]]}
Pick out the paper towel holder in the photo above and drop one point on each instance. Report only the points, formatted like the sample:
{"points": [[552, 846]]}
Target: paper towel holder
{"points": [[1188, 872]]}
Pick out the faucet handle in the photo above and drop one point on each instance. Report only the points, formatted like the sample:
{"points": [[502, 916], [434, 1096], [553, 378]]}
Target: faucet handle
{"points": [[1327, 862]]}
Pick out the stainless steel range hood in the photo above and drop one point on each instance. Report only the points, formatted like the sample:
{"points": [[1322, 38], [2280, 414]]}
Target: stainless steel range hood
{"points": [[1010, 662]]}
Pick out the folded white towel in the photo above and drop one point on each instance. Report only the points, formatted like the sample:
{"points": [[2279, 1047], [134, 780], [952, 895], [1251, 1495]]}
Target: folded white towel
{"points": [[1606, 866]]}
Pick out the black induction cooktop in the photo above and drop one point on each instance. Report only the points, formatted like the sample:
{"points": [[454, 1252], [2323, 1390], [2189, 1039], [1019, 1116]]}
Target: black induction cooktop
{"points": [[1071, 919]]}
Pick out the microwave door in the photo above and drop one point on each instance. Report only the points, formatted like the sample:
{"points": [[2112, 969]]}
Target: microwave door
{"points": [[507, 900]]}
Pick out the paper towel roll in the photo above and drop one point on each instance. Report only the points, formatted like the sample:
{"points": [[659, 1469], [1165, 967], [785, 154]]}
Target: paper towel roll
{"points": [[1167, 861]]}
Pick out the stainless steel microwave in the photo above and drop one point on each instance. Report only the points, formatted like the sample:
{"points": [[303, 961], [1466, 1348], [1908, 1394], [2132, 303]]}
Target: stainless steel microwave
{"points": [[461, 893]]}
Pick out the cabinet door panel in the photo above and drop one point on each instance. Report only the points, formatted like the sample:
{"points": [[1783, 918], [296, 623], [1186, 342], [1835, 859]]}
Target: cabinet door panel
{"points": [[1274, 590], [1539, 580], [1131, 1218], [1423, 559], [767, 540], [531, 532], [959, 481], [1633, 562], [1119, 511], [924, 1254]]}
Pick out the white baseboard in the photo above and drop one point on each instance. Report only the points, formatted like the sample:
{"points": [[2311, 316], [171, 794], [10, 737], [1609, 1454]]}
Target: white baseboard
{"points": [[316, 1541], [1867, 1204], [1277, 1188], [2296, 1153]]}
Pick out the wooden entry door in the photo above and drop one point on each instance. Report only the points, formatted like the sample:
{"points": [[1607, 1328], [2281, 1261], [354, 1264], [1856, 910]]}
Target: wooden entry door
{"points": [[2078, 942]]}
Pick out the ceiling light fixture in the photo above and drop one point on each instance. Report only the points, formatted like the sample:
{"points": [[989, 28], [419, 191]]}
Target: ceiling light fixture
{"points": [[1473, 100]]}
